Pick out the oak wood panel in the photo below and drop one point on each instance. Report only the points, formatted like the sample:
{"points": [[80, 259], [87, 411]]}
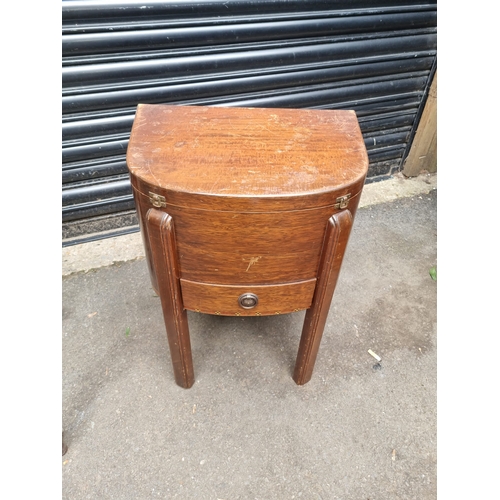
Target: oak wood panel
{"points": [[203, 154], [142, 209], [278, 203], [248, 248], [223, 299]]}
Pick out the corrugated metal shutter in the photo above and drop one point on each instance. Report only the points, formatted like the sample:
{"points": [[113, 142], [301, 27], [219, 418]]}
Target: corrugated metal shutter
{"points": [[372, 56]]}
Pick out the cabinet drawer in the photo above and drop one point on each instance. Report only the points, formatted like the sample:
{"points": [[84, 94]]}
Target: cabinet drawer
{"points": [[225, 300]]}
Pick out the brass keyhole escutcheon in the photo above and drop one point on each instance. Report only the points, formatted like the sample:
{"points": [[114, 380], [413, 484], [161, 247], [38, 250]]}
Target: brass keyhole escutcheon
{"points": [[248, 300]]}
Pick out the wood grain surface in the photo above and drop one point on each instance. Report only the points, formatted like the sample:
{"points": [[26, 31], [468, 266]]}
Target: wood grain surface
{"points": [[221, 247], [223, 299], [162, 243], [218, 155], [336, 238]]}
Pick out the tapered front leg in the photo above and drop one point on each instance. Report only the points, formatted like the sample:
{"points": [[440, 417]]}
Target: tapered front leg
{"points": [[163, 251], [337, 235]]}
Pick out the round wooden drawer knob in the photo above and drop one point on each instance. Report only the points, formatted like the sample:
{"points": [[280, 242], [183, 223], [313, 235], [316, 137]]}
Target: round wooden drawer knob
{"points": [[248, 300]]}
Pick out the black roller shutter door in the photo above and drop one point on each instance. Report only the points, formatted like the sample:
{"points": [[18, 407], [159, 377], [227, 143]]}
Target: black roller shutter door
{"points": [[372, 56]]}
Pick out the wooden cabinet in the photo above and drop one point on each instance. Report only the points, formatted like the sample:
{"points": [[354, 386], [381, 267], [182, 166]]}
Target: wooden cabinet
{"points": [[245, 211]]}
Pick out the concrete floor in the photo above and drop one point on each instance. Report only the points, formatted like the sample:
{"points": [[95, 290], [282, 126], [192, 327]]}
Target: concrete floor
{"points": [[357, 430]]}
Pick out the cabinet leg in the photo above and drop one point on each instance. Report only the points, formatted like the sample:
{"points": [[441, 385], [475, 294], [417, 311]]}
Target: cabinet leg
{"points": [[163, 251], [336, 237]]}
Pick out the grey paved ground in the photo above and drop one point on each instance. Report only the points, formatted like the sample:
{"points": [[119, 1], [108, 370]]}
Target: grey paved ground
{"points": [[245, 430]]}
